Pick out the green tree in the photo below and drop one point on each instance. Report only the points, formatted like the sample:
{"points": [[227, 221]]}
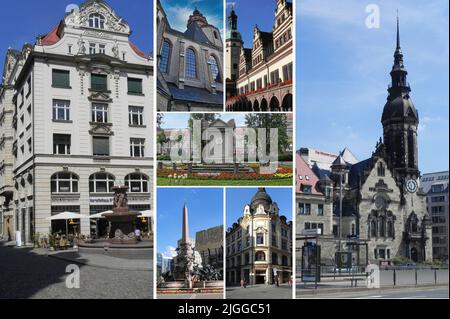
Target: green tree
{"points": [[269, 121]]}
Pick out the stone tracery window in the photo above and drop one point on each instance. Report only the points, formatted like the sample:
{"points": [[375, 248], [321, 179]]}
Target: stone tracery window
{"points": [[214, 67], [97, 21], [381, 170], [191, 64], [165, 56]]}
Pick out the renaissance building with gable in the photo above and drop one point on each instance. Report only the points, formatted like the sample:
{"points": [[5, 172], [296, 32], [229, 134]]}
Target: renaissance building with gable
{"points": [[260, 78], [75, 120], [190, 65], [384, 213]]}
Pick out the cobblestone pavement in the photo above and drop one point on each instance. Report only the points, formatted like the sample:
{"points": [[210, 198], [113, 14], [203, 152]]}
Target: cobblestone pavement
{"points": [[25, 274], [260, 292]]}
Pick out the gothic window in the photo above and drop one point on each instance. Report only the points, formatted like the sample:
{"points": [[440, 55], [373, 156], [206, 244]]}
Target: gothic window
{"points": [[215, 75], [137, 183], [381, 170], [64, 183], [165, 56], [101, 183], [382, 227], [373, 228], [97, 21], [390, 229], [191, 64]]}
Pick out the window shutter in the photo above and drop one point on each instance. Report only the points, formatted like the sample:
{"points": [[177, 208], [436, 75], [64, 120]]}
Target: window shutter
{"points": [[99, 82], [61, 78], [135, 86]]}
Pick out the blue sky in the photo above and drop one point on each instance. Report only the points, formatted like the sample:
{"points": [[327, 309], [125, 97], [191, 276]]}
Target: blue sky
{"points": [[22, 21], [245, 10], [343, 73], [180, 120], [178, 12], [237, 198], [205, 210]]}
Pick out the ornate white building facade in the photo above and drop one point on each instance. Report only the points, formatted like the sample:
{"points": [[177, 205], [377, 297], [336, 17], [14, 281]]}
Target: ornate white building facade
{"points": [[76, 114], [259, 244]]}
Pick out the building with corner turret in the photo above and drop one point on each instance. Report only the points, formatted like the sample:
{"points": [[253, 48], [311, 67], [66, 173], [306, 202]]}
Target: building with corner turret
{"points": [[259, 244]]}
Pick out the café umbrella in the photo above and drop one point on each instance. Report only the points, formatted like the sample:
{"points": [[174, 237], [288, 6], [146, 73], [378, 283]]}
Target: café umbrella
{"points": [[147, 216], [100, 215], [66, 216]]}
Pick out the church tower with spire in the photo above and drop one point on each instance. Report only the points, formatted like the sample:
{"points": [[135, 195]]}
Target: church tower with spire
{"points": [[400, 122], [234, 45]]}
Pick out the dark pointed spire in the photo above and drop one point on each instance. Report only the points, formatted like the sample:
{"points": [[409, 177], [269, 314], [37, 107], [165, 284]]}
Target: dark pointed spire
{"points": [[399, 73], [398, 32]]}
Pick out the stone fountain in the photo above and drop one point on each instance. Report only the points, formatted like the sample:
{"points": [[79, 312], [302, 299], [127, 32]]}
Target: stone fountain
{"points": [[122, 219], [187, 276], [122, 242]]}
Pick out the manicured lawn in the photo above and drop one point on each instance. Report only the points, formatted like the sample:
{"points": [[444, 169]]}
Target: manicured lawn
{"points": [[163, 181]]}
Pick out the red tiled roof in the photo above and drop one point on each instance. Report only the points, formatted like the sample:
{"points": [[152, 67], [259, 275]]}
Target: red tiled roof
{"points": [[308, 177], [53, 36], [138, 51]]}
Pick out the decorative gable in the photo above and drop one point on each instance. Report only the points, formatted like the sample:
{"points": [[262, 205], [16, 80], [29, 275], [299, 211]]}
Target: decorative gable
{"points": [[110, 21]]}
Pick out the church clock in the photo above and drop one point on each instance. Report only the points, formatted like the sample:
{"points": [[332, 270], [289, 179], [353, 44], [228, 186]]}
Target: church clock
{"points": [[411, 185]]}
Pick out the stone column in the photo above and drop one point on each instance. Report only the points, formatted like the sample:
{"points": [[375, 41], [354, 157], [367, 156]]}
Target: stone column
{"points": [[182, 65], [185, 230]]}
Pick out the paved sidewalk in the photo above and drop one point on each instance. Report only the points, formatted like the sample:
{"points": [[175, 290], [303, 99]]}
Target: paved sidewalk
{"points": [[260, 292], [103, 261], [30, 274]]}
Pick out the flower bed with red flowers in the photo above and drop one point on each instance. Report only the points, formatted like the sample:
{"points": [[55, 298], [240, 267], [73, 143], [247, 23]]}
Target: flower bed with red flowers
{"points": [[282, 173]]}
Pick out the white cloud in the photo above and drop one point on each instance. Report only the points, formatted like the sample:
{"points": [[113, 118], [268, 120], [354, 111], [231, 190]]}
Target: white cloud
{"points": [[170, 252]]}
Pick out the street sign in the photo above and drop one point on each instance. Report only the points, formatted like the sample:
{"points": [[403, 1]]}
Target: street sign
{"points": [[312, 232]]}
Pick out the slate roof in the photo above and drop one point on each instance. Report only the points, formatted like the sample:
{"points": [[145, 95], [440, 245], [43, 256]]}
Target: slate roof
{"points": [[193, 94], [357, 172]]}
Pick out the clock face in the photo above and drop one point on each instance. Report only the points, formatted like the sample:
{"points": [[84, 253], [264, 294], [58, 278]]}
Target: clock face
{"points": [[411, 186]]}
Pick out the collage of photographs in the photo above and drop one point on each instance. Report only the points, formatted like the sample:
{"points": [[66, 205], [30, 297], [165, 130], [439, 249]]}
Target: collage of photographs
{"points": [[218, 149]]}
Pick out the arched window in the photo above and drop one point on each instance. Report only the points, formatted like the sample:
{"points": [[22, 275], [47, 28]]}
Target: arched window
{"points": [[382, 227], [97, 21], [64, 183], [137, 183], [260, 256], [191, 64], [390, 229], [214, 67], [373, 228], [101, 183], [165, 56], [414, 226], [381, 170]]}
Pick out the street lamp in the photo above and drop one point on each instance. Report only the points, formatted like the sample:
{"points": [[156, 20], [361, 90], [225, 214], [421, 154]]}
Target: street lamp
{"points": [[339, 167]]}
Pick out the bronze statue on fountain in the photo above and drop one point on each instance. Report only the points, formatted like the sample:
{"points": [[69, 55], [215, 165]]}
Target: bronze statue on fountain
{"points": [[122, 220]]}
